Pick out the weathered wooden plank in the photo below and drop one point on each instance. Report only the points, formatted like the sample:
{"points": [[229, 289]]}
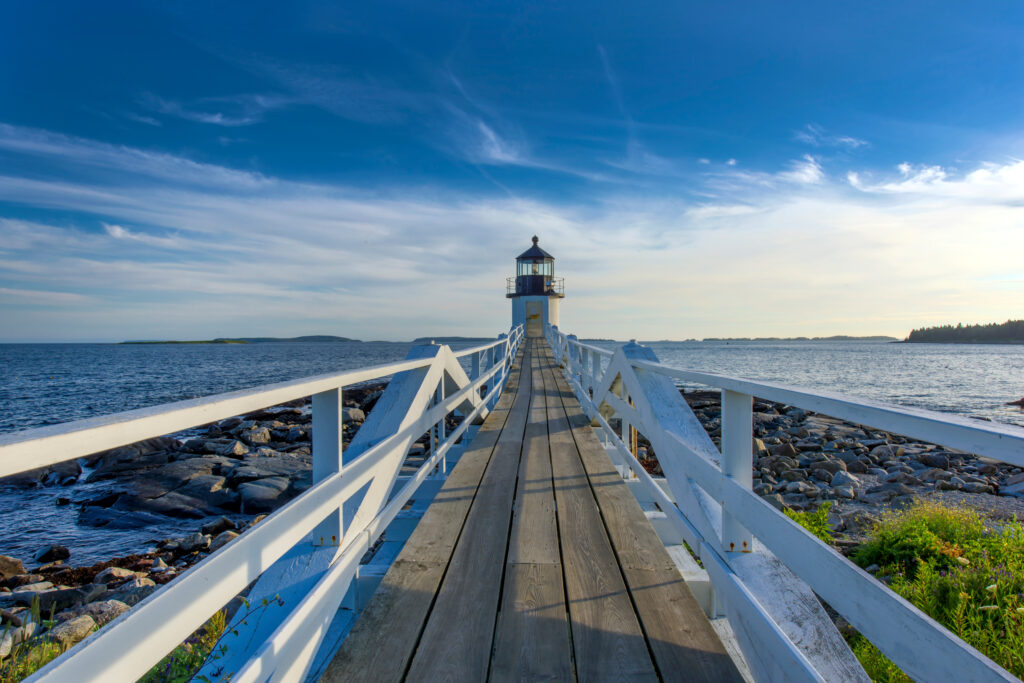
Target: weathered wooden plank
{"points": [[679, 635], [534, 537], [457, 639], [532, 638], [383, 640], [607, 639]]}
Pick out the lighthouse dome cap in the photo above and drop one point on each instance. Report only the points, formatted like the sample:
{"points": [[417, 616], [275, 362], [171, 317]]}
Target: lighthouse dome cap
{"points": [[534, 253]]}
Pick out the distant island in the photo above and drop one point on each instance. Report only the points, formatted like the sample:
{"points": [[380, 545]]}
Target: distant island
{"points": [[837, 337], [1010, 332], [255, 340]]}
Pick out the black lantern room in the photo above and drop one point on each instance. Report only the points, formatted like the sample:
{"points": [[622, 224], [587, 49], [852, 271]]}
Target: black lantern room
{"points": [[535, 274]]}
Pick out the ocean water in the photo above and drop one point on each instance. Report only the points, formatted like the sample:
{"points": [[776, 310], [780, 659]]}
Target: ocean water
{"points": [[43, 384], [966, 379]]}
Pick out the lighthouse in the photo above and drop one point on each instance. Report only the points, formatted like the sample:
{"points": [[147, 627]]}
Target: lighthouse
{"points": [[535, 291]]}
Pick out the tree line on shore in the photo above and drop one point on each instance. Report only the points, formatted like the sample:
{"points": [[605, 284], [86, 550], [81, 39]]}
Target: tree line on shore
{"points": [[1010, 332]]}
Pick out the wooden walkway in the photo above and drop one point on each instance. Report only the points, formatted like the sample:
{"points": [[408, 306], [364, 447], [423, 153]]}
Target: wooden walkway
{"points": [[533, 562]]}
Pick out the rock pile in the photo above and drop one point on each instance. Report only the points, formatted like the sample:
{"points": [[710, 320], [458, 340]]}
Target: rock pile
{"points": [[801, 458]]}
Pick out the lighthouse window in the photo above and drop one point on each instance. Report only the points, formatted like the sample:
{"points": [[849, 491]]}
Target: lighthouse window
{"points": [[535, 268]]}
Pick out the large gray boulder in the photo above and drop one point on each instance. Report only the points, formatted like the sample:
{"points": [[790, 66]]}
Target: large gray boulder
{"points": [[73, 631], [102, 612], [353, 415], [290, 467], [264, 495], [171, 504], [57, 600], [257, 436], [131, 596]]}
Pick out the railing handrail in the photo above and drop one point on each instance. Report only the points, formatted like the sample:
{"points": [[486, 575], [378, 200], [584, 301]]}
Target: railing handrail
{"points": [[717, 514], [126, 648]]}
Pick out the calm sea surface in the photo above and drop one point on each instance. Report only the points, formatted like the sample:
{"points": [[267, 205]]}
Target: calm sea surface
{"points": [[43, 384]]}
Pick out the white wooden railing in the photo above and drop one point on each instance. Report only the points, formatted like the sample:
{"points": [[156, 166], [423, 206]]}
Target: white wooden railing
{"points": [[424, 390], [763, 566]]}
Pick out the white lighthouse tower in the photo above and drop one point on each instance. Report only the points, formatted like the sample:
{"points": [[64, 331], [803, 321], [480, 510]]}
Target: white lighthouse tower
{"points": [[535, 291]]}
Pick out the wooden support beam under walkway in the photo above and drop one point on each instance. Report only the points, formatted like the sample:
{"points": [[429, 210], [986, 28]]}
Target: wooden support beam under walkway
{"points": [[533, 562]]}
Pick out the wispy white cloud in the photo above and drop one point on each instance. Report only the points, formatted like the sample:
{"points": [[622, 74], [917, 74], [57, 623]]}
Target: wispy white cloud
{"points": [[244, 110], [990, 182], [38, 297], [806, 171], [817, 136], [139, 118], [69, 151], [119, 232]]}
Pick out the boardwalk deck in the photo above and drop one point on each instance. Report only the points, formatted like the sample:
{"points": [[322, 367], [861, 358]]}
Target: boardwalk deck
{"points": [[533, 562]]}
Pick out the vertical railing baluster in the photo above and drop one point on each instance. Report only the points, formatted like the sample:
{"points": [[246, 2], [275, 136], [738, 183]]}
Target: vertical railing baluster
{"points": [[440, 427], [584, 376], [327, 440], [474, 369], [737, 450]]}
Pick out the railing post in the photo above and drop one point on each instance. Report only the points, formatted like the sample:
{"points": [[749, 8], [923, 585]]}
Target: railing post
{"points": [[474, 370], [595, 369], [571, 352], [737, 451], [327, 439]]}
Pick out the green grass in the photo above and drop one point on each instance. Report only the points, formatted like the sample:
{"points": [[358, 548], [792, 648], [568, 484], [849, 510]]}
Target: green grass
{"points": [[966, 575], [816, 522], [27, 658], [31, 655], [186, 659]]}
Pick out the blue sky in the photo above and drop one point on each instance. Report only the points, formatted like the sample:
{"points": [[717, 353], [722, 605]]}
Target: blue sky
{"points": [[189, 170]]}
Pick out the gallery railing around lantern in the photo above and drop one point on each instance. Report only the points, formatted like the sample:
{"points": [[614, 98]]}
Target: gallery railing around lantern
{"points": [[126, 648], [713, 508]]}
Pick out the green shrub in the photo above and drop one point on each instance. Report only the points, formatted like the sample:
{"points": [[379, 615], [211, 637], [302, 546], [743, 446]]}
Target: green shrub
{"points": [[816, 522], [924, 532], [947, 563]]}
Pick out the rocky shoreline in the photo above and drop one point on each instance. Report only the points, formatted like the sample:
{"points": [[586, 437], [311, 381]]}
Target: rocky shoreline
{"points": [[241, 466], [802, 459]]}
